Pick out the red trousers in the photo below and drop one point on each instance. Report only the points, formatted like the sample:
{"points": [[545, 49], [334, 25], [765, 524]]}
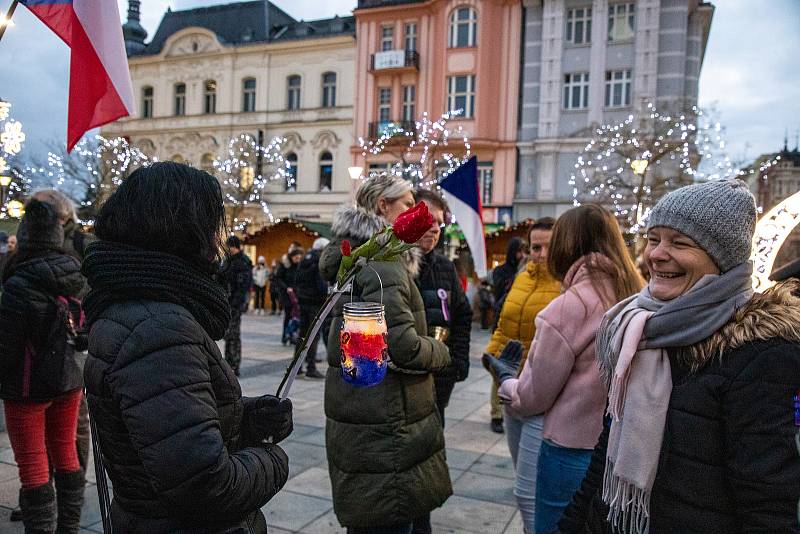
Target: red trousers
{"points": [[41, 429]]}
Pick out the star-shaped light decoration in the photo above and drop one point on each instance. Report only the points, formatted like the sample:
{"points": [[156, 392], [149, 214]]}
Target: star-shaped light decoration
{"points": [[13, 137]]}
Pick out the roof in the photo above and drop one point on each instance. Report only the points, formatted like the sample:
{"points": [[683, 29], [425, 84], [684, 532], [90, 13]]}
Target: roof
{"points": [[365, 4], [243, 23]]}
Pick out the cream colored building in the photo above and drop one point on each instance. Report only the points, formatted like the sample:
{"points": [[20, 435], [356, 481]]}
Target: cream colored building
{"points": [[211, 74]]}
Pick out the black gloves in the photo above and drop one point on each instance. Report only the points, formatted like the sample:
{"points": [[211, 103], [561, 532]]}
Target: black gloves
{"points": [[507, 364], [266, 418]]}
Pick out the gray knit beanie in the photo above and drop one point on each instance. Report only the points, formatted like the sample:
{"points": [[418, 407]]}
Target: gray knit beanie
{"points": [[719, 215]]}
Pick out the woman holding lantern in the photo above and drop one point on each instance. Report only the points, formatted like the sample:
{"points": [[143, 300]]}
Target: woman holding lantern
{"points": [[385, 443]]}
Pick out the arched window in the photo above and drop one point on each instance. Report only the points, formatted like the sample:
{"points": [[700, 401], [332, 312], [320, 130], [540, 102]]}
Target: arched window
{"points": [[291, 176], [180, 99], [248, 95], [325, 172], [463, 27], [329, 90], [210, 97], [147, 102], [293, 92]]}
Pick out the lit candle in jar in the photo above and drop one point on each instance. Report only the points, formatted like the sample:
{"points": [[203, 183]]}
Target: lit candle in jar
{"points": [[365, 355]]}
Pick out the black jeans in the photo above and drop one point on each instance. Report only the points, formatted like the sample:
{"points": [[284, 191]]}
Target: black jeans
{"points": [[307, 314], [261, 297], [274, 300]]}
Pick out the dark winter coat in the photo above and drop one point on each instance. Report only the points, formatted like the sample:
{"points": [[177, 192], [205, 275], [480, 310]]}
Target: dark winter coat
{"points": [[385, 443], [728, 462], [239, 275], [28, 310], [310, 287], [285, 278], [437, 272], [503, 275]]}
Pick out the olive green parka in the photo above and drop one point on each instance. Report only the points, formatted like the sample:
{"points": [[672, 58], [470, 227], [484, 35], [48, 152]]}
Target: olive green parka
{"points": [[385, 443]]}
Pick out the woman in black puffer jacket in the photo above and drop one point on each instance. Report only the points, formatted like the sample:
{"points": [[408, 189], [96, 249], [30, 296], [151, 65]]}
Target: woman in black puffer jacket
{"points": [[40, 375], [184, 450]]}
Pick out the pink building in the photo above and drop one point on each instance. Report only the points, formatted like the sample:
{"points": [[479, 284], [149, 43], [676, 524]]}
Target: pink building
{"points": [[438, 55]]}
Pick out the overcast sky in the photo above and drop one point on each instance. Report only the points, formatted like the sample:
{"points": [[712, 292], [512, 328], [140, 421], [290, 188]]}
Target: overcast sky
{"points": [[750, 70]]}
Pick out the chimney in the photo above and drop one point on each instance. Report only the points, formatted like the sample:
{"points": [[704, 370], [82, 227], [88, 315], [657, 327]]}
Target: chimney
{"points": [[267, 24]]}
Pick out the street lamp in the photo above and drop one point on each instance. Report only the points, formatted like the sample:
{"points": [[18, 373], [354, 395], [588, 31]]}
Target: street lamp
{"points": [[355, 172], [5, 181], [16, 209]]}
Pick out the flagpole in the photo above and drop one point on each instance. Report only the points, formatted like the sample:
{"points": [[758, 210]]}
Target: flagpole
{"points": [[9, 14]]}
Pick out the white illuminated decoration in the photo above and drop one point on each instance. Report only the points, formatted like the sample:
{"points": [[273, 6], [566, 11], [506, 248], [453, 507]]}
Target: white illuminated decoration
{"points": [[771, 231], [245, 173], [426, 154], [630, 165], [12, 137]]}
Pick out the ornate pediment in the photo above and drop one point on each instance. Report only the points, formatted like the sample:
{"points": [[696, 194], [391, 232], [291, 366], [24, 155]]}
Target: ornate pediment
{"points": [[192, 143], [191, 41], [325, 139], [294, 142]]}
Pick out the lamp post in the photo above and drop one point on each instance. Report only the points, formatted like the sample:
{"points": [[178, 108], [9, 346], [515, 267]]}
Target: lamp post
{"points": [[355, 172], [5, 181]]}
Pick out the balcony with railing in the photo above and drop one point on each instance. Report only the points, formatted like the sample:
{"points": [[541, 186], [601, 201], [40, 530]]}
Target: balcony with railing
{"points": [[394, 60], [390, 128]]}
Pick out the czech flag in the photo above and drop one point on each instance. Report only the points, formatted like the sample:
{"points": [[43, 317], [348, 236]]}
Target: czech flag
{"points": [[100, 89], [463, 196]]}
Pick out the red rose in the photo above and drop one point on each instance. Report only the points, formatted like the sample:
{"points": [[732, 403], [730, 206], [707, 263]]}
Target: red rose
{"points": [[345, 248], [412, 224]]}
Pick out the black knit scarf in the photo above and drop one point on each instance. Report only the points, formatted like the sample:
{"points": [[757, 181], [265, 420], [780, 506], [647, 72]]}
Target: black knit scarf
{"points": [[118, 273]]}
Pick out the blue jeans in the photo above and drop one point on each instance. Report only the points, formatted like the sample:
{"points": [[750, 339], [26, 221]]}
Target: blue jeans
{"points": [[559, 475], [524, 442]]}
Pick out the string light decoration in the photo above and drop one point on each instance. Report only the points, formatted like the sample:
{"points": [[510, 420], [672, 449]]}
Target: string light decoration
{"points": [[771, 232], [12, 139], [426, 154], [630, 165], [90, 174], [245, 173]]}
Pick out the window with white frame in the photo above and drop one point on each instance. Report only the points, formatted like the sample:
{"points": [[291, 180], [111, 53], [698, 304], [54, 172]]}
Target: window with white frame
{"points": [[409, 102], [293, 92], [387, 38], [486, 181], [411, 36], [329, 90], [384, 105], [621, 20], [463, 27], [180, 99], [576, 90], [618, 88], [147, 102], [325, 171], [461, 95], [210, 97], [248, 95], [579, 25], [291, 174]]}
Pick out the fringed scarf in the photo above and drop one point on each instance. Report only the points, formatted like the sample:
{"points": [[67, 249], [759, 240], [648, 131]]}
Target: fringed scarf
{"points": [[631, 351]]}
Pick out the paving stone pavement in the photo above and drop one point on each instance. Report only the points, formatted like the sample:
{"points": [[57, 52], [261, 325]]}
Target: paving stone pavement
{"points": [[479, 461]]}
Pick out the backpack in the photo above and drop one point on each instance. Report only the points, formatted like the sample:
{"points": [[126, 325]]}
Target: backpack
{"points": [[54, 362]]}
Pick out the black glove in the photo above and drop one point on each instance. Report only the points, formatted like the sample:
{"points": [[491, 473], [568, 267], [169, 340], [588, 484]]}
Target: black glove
{"points": [[507, 364], [266, 418]]}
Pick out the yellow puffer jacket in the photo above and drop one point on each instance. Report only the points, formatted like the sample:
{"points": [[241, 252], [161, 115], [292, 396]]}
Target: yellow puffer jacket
{"points": [[531, 292]]}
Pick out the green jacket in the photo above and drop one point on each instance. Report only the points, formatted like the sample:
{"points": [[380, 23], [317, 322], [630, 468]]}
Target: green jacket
{"points": [[385, 443]]}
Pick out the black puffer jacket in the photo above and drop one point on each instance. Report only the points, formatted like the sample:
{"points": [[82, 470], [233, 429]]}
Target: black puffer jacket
{"points": [[728, 462], [311, 288], [27, 314], [239, 275], [437, 272]]}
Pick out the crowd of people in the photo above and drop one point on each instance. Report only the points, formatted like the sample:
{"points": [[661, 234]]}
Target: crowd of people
{"points": [[665, 403]]}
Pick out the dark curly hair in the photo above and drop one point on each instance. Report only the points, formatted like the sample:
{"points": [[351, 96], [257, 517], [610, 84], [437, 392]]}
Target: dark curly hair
{"points": [[167, 207]]}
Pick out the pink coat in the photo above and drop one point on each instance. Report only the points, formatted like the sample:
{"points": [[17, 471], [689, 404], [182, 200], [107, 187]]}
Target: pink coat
{"points": [[561, 379]]}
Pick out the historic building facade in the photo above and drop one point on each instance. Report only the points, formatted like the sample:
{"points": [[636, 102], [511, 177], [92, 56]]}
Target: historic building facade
{"points": [[211, 74], [439, 55], [587, 63]]}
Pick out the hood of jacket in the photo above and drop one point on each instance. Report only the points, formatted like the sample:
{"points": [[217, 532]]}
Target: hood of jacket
{"points": [[775, 313], [357, 226]]}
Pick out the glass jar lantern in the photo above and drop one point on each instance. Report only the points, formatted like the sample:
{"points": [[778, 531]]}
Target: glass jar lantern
{"points": [[365, 354]]}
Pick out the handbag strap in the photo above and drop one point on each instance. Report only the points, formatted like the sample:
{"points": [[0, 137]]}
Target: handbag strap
{"points": [[100, 475]]}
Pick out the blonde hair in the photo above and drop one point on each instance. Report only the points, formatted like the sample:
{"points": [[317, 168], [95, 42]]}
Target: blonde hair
{"points": [[384, 186]]}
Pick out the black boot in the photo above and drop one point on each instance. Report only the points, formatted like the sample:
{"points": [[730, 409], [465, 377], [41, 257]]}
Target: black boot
{"points": [[38, 509], [69, 491]]}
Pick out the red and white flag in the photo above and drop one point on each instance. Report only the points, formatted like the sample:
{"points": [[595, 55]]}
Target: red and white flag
{"points": [[100, 89]]}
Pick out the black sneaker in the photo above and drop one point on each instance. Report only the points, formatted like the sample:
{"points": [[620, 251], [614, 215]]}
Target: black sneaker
{"points": [[313, 373], [497, 426]]}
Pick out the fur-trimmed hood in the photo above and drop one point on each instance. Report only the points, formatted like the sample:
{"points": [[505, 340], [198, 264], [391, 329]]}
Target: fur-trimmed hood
{"points": [[775, 313], [357, 226]]}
